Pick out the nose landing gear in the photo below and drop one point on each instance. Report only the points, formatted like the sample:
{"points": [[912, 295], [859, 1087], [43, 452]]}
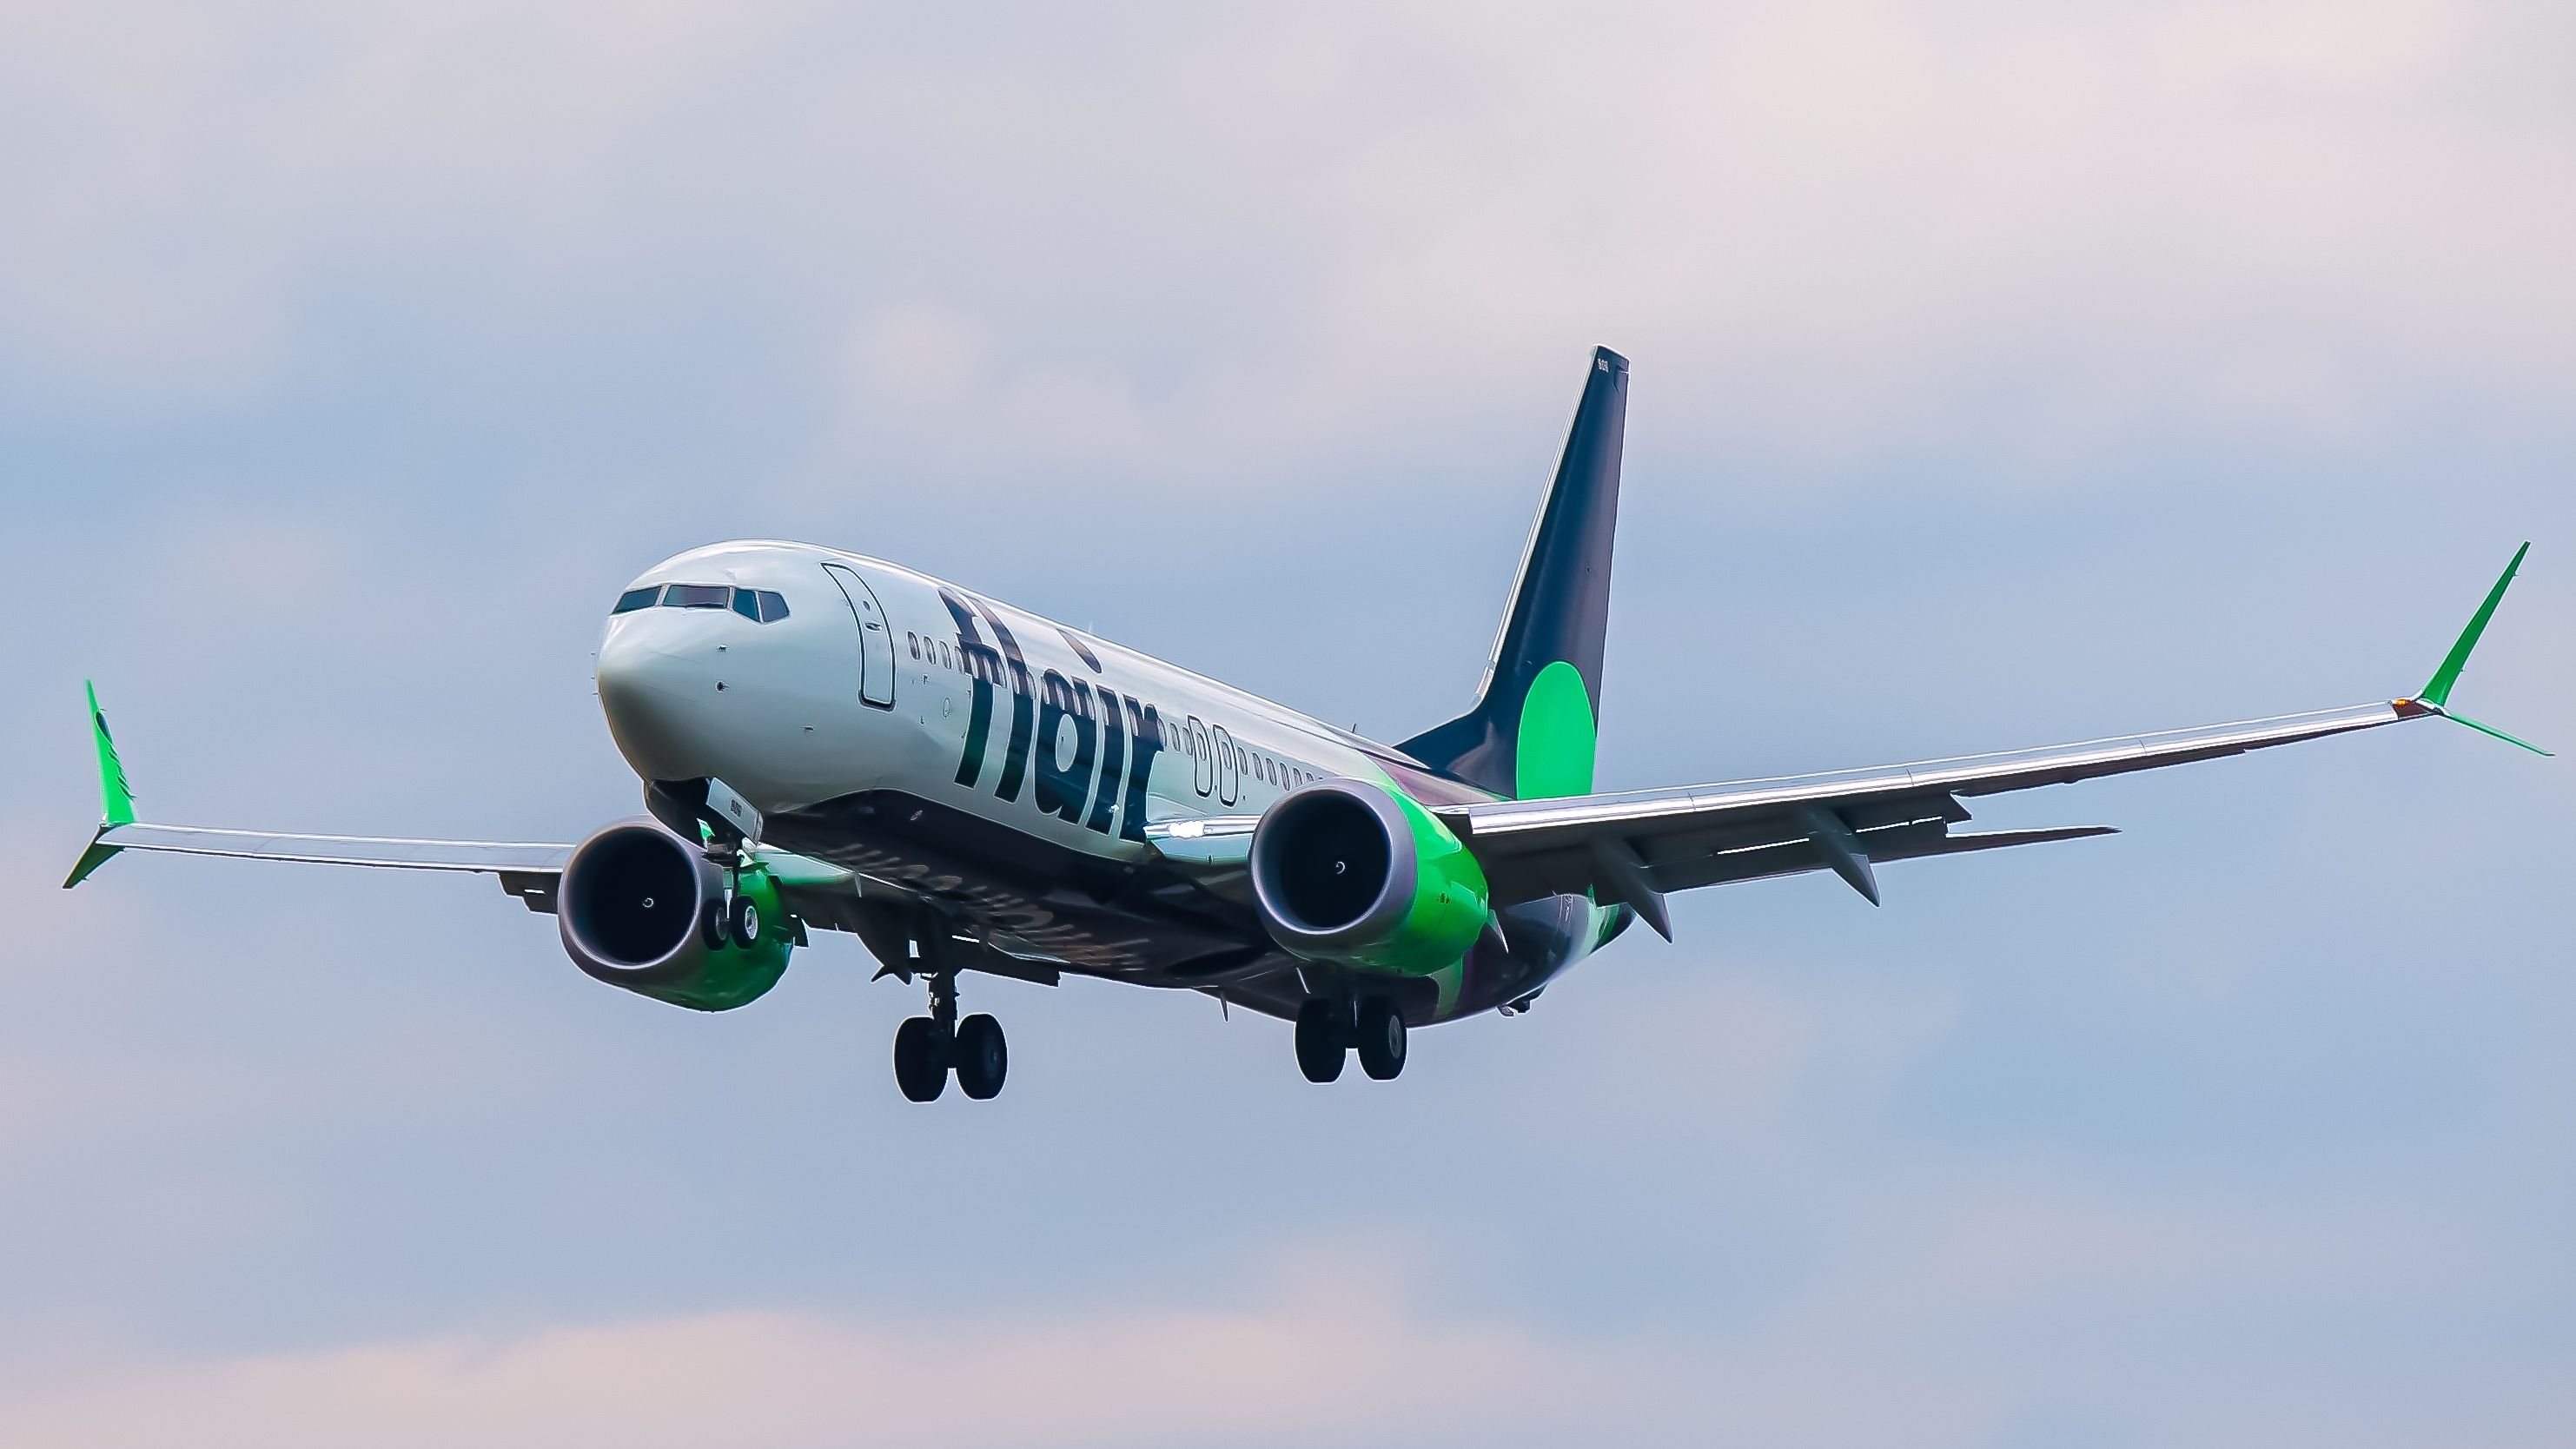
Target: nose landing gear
{"points": [[928, 1048]]}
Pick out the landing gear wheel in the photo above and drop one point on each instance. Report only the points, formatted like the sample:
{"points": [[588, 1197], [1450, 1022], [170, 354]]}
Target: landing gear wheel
{"points": [[921, 1051], [1381, 1039], [743, 922], [1320, 1029], [711, 926], [982, 1058]]}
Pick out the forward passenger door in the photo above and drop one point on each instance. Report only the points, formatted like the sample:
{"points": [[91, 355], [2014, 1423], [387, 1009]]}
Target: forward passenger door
{"points": [[876, 641]]}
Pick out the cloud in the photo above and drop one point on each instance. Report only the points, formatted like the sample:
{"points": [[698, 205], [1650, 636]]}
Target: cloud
{"points": [[1962, 1318], [1834, 236], [1327, 1360]]}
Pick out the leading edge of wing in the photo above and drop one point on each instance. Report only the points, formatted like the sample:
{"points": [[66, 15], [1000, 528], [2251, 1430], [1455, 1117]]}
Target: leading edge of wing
{"points": [[487, 856], [1962, 774]]}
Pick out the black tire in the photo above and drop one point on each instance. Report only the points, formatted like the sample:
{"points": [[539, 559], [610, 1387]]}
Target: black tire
{"points": [[921, 1059], [982, 1058], [711, 926], [1381, 1039], [743, 922], [1320, 1029]]}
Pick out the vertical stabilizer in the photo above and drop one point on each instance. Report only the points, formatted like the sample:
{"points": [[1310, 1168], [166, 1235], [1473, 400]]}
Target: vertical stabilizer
{"points": [[1530, 734]]}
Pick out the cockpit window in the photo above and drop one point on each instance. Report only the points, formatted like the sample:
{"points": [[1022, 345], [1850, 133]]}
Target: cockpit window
{"points": [[761, 606]]}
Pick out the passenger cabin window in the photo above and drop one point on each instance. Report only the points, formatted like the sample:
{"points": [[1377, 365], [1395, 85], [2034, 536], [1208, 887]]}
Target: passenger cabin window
{"points": [[634, 599]]}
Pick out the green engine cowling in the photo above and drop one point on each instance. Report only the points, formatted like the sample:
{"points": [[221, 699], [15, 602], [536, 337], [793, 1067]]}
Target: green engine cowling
{"points": [[632, 908], [1359, 873]]}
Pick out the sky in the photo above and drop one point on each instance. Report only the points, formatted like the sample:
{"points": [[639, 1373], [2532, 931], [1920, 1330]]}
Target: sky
{"points": [[2003, 375]]}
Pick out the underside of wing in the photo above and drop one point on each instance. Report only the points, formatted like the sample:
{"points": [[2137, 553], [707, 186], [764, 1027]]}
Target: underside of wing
{"points": [[1635, 847]]}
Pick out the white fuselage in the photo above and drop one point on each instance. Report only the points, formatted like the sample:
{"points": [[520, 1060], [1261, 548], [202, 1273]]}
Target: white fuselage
{"points": [[1000, 770], [816, 706]]}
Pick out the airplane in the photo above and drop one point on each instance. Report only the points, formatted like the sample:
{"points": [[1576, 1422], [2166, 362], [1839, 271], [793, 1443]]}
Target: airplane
{"points": [[832, 741]]}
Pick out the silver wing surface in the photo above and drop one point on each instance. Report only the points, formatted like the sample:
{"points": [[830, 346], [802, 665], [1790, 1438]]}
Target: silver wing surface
{"points": [[527, 869], [490, 857], [1635, 846]]}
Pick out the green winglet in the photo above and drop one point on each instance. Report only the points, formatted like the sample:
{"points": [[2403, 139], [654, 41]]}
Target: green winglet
{"points": [[116, 795], [91, 859], [2488, 729], [2437, 691]]}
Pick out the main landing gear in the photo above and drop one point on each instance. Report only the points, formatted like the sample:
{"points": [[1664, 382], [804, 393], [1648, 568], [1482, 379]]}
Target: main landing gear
{"points": [[1330, 1027], [928, 1048], [730, 920]]}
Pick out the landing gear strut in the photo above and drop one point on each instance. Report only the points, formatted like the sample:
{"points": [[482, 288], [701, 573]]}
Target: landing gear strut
{"points": [[928, 1048]]}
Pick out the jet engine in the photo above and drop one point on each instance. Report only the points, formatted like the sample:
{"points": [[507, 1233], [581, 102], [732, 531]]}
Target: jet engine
{"points": [[642, 909], [1351, 871]]}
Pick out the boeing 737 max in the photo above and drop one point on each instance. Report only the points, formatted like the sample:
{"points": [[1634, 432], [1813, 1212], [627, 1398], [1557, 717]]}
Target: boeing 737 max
{"points": [[829, 740]]}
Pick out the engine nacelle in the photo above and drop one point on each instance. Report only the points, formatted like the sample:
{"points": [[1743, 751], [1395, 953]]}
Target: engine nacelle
{"points": [[632, 907], [1346, 870]]}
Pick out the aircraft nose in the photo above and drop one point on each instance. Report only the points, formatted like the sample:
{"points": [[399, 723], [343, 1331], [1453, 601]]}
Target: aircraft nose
{"points": [[657, 698]]}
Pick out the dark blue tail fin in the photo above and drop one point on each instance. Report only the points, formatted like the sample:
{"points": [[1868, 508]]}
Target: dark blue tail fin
{"points": [[1531, 731]]}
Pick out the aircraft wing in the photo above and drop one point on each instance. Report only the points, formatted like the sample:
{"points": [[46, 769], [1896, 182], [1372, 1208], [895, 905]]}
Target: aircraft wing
{"points": [[529, 870], [1633, 847]]}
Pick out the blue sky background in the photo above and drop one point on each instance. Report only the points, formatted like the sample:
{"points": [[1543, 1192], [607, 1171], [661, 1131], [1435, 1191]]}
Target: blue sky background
{"points": [[1999, 380]]}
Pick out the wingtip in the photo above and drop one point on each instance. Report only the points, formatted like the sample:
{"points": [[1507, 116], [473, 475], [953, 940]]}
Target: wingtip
{"points": [[2437, 690], [97, 854], [2488, 729], [116, 792]]}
